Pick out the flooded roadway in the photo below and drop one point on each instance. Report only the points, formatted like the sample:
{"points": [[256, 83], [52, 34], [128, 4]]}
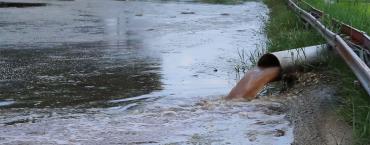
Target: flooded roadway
{"points": [[131, 72]]}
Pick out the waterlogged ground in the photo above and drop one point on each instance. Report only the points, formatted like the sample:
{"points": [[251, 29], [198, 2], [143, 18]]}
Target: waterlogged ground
{"points": [[131, 72]]}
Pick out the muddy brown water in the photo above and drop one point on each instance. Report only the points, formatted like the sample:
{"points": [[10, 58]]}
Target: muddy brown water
{"points": [[253, 82], [130, 72]]}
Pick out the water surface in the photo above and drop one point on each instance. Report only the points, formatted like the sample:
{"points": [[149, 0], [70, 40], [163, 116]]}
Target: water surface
{"points": [[130, 72]]}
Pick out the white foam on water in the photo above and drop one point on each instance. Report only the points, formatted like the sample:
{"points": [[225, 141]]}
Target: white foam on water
{"points": [[211, 120]]}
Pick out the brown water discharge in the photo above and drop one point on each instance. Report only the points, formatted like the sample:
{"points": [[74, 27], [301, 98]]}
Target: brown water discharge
{"points": [[253, 82], [269, 68]]}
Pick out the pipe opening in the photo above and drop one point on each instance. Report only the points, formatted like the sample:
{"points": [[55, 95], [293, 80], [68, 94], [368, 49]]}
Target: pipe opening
{"points": [[268, 60]]}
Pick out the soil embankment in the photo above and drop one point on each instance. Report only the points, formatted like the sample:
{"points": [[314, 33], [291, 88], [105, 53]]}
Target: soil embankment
{"points": [[312, 105]]}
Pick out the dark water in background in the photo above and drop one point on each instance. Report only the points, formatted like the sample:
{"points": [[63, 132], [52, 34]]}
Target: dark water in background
{"points": [[75, 74], [78, 53]]}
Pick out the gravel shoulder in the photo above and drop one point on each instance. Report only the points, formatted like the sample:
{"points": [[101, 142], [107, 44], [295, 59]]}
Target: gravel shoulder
{"points": [[312, 103]]}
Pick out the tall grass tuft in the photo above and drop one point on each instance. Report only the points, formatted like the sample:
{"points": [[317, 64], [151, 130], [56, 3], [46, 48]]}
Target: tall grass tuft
{"points": [[353, 12], [286, 31]]}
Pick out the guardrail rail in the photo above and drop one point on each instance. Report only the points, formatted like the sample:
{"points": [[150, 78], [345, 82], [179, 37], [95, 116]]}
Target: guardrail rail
{"points": [[356, 64]]}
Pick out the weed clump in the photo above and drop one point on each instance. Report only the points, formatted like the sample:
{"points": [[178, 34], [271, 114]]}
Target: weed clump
{"points": [[286, 31]]}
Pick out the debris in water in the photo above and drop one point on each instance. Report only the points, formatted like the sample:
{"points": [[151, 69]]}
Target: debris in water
{"points": [[89, 87], [279, 132], [20, 5], [244, 114], [275, 109], [252, 136], [144, 142], [185, 13], [225, 14], [205, 105], [169, 114], [19, 121], [139, 15], [260, 123], [241, 30]]}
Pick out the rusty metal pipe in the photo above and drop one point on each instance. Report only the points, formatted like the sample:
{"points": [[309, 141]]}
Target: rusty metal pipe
{"points": [[270, 65], [269, 68]]}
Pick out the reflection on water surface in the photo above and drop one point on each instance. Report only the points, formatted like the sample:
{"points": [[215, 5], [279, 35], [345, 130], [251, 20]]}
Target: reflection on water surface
{"points": [[84, 74]]}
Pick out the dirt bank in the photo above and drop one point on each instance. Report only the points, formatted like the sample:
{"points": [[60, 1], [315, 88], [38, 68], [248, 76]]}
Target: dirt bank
{"points": [[312, 104]]}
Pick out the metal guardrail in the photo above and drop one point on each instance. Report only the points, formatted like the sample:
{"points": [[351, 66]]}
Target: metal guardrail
{"points": [[360, 69], [357, 36], [358, 40]]}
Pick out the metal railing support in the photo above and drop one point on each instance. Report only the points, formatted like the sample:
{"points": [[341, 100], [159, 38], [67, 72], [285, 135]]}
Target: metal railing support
{"points": [[360, 69]]}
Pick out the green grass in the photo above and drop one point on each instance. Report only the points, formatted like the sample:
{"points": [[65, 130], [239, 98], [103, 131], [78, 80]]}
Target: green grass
{"points": [[286, 31], [355, 103], [355, 13]]}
